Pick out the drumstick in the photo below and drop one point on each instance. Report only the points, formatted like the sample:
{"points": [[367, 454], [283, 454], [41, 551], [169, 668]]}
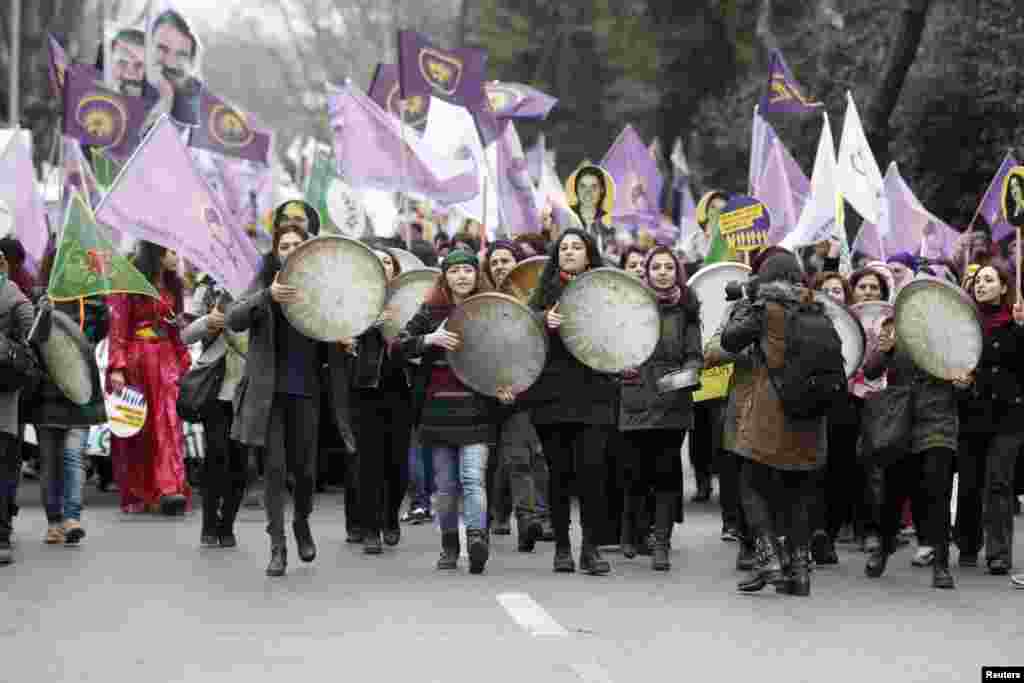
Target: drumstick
{"points": [[1018, 264]]}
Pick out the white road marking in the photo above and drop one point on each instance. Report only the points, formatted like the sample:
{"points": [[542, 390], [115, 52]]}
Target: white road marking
{"points": [[531, 616]]}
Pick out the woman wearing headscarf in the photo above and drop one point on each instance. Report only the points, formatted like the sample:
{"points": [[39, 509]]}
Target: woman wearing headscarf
{"points": [[277, 406], [992, 432], [146, 352], [382, 422], [574, 410], [452, 419], [655, 423]]}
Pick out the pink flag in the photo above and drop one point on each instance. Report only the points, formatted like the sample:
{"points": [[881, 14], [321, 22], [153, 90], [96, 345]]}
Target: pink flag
{"points": [[368, 144], [776, 193], [20, 198], [517, 204], [991, 204], [638, 182], [160, 197]]}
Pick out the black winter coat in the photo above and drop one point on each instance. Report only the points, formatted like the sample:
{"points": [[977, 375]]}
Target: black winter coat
{"points": [[995, 402]]}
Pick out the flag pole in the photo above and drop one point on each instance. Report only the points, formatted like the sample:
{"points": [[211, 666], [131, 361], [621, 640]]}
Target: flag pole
{"points": [[13, 104], [403, 203]]}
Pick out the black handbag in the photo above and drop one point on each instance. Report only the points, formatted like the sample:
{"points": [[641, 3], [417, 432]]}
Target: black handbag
{"points": [[198, 389], [888, 420], [20, 368]]}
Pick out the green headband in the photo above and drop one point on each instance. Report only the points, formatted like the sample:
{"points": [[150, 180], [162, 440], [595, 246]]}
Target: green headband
{"points": [[459, 257]]}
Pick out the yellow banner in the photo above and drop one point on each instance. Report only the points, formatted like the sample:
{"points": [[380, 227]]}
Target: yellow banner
{"points": [[714, 383]]}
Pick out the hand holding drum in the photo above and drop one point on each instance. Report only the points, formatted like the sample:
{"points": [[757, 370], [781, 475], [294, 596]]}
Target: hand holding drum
{"points": [[283, 294], [443, 339], [554, 318]]}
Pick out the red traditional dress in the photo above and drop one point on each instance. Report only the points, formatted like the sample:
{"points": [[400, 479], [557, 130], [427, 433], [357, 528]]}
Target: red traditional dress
{"points": [[150, 353]]}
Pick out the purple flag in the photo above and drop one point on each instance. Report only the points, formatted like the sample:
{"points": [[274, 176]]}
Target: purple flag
{"points": [[765, 139], [535, 159], [784, 95], [385, 91], [774, 191], [160, 197], [518, 101], [96, 116], [371, 154], [228, 130], [456, 76], [517, 202], [638, 183], [58, 65], [20, 198], [991, 208]]}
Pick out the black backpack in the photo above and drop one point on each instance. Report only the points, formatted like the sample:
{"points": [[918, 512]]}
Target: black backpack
{"points": [[812, 380]]}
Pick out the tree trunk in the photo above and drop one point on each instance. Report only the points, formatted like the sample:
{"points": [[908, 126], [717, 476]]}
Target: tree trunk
{"points": [[462, 26], [902, 51]]}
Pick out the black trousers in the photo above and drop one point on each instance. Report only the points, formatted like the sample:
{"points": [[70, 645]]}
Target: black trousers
{"points": [[841, 493], [730, 486], [10, 470], [889, 486], [778, 502], [225, 465], [382, 422], [655, 463], [985, 494], [291, 448], [579, 449], [520, 473], [705, 438]]}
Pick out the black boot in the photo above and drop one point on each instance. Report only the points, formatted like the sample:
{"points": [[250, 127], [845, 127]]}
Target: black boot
{"points": [[564, 564], [173, 505], [278, 560], [768, 569], [449, 550], [228, 512], [941, 578], [628, 533], [371, 543], [529, 531], [304, 540], [211, 520], [786, 562], [746, 556], [478, 547], [591, 561], [7, 489], [878, 556], [664, 521], [799, 580], [641, 527]]}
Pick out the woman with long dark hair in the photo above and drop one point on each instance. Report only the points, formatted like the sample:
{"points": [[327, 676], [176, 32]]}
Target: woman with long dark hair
{"points": [[455, 421], [655, 423], [574, 411], [277, 406], [146, 352], [382, 422], [992, 432]]}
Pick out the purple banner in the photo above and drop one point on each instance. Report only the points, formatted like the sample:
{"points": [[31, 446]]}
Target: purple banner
{"points": [[784, 95], [385, 90], [94, 115], [456, 76], [229, 131]]}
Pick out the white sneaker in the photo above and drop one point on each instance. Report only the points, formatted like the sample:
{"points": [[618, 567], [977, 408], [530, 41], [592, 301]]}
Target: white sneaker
{"points": [[924, 557]]}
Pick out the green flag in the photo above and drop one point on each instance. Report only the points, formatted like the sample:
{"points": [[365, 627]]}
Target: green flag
{"points": [[718, 249], [319, 182], [104, 168], [87, 263]]}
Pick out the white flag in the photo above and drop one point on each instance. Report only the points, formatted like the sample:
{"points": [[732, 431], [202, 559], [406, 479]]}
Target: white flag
{"points": [[859, 176], [822, 212]]}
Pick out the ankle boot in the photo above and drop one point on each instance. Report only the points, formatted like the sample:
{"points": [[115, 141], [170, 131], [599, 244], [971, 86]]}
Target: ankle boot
{"points": [[228, 512], [627, 534], [641, 527], [768, 569], [478, 547], [208, 537], [659, 558], [799, 579], [746, 556], [877, 554], [941, 578], [786, 562], [449, 550], [529, 531], [278, 560], [371, 543], [591, 561], [664, 521], [304, 540], [564, 563]]}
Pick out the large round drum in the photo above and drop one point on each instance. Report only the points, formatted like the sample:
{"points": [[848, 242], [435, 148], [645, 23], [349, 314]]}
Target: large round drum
{"points": [[406, 294], [524, 278], [939, 327], [708, 284], [69, 359], [407, 260], [342, 288], [611, 320], [851, 333], [504, 344]]}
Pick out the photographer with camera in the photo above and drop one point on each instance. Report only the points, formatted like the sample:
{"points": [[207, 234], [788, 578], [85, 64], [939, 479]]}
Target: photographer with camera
{"points": [[797, 375]]}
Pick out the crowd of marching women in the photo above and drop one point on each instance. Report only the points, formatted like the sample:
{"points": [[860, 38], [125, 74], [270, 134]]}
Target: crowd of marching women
{"points": [[804, 461]]}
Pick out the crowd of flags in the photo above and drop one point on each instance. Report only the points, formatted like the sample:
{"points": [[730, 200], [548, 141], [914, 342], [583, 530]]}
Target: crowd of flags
{"points": [[431, 127]]}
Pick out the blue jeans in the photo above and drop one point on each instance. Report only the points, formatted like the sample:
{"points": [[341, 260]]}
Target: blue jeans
{"points": [[421, 472], [461, 467], [62, 474]]}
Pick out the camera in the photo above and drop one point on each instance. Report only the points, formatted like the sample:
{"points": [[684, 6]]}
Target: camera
{"points": [[735, 290]]}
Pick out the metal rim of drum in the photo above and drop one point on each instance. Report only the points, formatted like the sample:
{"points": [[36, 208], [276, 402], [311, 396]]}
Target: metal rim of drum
{"points": [[65, 346], [373, 293], [849, 322], [709, 326], [460, 360], [577, 346], [679, 380], [525, 265], [391, 328], [408, 260], [954, 339]]}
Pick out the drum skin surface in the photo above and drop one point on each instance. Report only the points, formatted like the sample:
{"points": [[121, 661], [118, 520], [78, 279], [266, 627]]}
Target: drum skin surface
{"points": [[939, 327]]}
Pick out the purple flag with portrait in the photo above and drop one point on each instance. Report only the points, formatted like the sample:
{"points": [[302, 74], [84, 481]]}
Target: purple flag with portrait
{"points": [[161, 197], [372, 154], [96, 116], [518, 101], [638, 182], [227, 130], [456, 76], [386, 92], [991, 208], [783, 94]]}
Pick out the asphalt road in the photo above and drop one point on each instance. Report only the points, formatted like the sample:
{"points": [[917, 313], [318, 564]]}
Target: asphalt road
{"points": [[139, 601]]}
